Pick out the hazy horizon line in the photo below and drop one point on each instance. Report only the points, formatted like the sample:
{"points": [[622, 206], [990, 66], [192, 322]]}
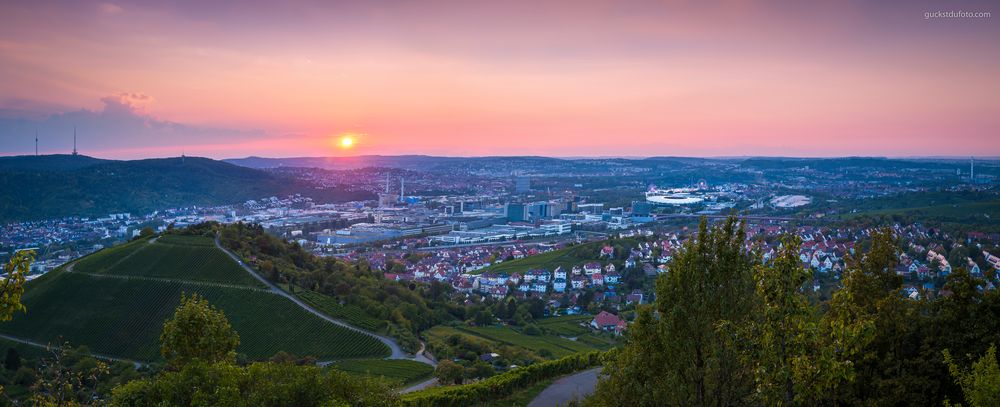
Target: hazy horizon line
{"points": [[572, 157]]}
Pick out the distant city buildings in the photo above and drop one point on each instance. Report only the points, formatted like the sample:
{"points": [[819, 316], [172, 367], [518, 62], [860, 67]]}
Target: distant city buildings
{"points": [[522, 185]]}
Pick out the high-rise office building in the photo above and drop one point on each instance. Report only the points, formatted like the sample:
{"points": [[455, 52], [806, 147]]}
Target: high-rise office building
{"points": [[515, 212], [522, 185], [641, 208]]}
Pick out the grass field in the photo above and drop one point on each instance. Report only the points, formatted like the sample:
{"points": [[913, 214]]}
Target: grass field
{"points": [[566, 258], [442, 332], [568, 325], [559, 347], [116, 304], [403, 372], [494, 335]]}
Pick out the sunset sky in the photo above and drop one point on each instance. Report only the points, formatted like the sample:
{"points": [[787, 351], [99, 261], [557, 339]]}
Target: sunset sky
{"points": [[555, 78]]}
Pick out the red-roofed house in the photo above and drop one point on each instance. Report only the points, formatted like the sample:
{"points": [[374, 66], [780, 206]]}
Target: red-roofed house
{"points": [[607, 321]]}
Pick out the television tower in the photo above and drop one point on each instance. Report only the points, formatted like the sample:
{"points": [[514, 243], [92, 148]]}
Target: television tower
{"points": [[401, 199], [36, 142], [74, 140]]}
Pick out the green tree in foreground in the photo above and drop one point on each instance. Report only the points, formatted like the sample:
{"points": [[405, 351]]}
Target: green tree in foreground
{"points": [[796, 355], [685, 355], [198, 331], [728, 330], [68, 378], [199, 345], [12, 286], [260, 384], [981, 384], [784, 333]]}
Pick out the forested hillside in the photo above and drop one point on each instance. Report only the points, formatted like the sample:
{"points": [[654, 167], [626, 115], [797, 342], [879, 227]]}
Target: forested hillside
{"points": [[48, 187]]}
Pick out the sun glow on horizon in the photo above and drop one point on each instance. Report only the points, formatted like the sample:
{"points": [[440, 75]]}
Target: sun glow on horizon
{"points": [[346, 142]]}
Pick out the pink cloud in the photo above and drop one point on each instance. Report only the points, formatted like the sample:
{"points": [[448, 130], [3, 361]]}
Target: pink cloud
{"points": [[109, 8], [136, 103]]}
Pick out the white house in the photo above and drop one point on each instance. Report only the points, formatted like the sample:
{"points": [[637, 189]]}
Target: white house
{"points": [[559, 285], [560, 273]]}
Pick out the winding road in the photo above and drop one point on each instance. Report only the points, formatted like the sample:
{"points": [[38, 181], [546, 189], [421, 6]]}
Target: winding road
{"points": [[567, 388], [397, 351], [44, 346]]}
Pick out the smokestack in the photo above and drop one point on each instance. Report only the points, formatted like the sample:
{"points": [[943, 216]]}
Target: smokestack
{"points": [[74, 139], [401, 189]]}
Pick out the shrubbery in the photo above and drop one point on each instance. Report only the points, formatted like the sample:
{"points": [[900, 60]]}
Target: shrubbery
{"points": [[503, 384], [260, 384]]}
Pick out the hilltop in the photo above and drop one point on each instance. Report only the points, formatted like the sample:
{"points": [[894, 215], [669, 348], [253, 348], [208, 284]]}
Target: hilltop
{"points": [[46, 187], [53, 162], [115, 302]]}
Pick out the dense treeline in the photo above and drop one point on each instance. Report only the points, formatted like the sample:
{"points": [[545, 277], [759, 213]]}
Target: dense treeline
{"points": [[728, 329], [141, 186], [953, 211], [501, 385]]}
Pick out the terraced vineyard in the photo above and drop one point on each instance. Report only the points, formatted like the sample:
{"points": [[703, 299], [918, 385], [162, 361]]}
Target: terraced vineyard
{"points": [[170, 257], [107, 258], [400, 371], [187, 240], [330, 306], [568, 325], [116, 300]]}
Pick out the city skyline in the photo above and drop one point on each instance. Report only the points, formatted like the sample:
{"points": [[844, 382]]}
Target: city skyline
{"points": [[580, 79]]}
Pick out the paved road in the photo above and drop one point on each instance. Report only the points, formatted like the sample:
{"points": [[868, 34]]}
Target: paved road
{"points": [[397, 352], [420, 386], [567, 388], [96, 355], [173, 280]]}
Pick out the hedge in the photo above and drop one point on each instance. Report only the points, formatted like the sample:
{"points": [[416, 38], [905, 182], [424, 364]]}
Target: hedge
{"points": [[503, 384]]}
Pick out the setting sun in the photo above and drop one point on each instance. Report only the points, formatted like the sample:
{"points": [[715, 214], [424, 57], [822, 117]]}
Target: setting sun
{"points": [[346, 142]]}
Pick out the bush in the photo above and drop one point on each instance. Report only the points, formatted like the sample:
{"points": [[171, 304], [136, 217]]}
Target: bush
{"points": [[25, 377], [260, 384], [503, 384]]}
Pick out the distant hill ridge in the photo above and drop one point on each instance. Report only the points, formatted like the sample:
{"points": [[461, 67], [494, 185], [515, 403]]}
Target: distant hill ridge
{"points": [[54, 186], [53, 162], [425, 162]]}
